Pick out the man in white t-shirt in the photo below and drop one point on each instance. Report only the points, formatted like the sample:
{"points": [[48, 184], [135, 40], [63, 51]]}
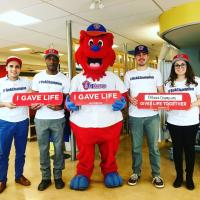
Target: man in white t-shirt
{"points": [[50, 121], [13, 122], [144, 79]]}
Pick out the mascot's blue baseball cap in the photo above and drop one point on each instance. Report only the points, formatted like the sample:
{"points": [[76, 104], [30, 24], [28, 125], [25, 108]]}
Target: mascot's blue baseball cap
{"points": [[96, 29], [141, 49]]}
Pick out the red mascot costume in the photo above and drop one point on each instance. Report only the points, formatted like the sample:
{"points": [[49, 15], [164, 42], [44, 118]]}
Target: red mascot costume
{"points": [[96, 124]]}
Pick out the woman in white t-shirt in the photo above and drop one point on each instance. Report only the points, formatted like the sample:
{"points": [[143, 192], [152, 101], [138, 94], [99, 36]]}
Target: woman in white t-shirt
{"points": [[183, 124]]}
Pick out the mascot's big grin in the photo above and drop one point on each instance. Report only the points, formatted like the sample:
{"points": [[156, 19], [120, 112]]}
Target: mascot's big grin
{"points": [[94, 62], [95, 53]]}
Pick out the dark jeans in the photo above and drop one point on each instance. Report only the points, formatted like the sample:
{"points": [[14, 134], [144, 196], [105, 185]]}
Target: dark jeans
{"points": [[183, 140]]}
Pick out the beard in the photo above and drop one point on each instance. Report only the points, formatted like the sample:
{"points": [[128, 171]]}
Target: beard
{"points": [[141, 62]]}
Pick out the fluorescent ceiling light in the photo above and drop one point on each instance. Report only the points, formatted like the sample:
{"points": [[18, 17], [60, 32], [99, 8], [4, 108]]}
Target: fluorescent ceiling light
{"points": [[20, 49], [17, 18]]}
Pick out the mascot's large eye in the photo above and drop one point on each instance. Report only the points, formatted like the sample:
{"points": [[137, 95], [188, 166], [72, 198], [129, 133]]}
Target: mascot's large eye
{"points": [[90, 42], [100, 43]]}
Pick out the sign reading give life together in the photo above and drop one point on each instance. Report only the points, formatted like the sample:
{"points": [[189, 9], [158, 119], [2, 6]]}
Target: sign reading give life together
{"points": [[166, 101]]}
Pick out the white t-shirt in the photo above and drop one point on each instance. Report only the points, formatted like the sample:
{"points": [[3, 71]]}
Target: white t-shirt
{"points": [[142, 82], [184, 117], [7, 89], [96, 115], [43, 82]]}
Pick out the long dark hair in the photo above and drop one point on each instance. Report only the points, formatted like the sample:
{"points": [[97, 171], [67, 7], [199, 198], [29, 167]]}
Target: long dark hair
{"points": [[189, 75]]}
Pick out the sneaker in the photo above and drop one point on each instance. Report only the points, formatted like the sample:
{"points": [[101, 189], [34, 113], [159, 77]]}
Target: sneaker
{"points": [[158, 182], [59, 184], [133, 179]]}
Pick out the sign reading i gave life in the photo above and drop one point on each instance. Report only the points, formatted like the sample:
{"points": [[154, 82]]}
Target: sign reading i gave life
{"points": [[45, 98], [92, 98], [166, 101]]}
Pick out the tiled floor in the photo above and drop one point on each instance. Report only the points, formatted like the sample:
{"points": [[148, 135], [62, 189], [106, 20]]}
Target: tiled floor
{"points": [[97, 190]]}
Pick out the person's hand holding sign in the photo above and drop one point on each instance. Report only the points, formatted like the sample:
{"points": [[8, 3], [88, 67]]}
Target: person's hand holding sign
{"points": [[55, 107], [197, 102], [36, 106], [133, 100], [9, 105]]}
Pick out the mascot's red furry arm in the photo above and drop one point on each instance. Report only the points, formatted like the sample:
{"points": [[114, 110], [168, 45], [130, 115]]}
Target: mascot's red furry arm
{"points": [[96, 124]]}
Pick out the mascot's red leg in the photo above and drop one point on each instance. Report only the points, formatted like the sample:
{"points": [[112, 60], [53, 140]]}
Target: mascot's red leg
{"points": [[108, 147], [108, 140], [86, 145]]}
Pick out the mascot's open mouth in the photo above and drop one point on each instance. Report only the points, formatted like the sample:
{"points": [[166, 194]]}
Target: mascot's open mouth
{"points": [[94, 62]]}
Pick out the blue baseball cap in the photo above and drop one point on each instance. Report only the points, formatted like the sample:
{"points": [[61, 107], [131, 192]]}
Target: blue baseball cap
{"points": [[96, 29], [141, 49]]}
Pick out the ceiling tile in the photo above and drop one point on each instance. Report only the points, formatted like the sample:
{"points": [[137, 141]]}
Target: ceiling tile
{"points": [[44, 11], [17, 4], [72, 6], [129, 20], [121, 11], [171, 3]]}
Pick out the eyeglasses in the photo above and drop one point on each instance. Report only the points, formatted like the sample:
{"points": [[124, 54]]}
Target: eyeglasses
{"points": [[182, 66]]}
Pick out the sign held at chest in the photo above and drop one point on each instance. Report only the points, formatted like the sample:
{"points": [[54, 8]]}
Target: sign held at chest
{"points": [[45, 98], [94, 98], [166, 101]]}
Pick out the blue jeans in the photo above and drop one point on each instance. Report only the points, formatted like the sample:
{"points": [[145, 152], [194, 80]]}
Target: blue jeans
{"points": [[9, 131], [149, 126], [46, 128]]}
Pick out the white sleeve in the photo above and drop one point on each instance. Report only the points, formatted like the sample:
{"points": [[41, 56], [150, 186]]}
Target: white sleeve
{"points": [[159, 81], [29, 84], [127, 81], [74, 85], [66, 87], [120, 85], [35, 83]]}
